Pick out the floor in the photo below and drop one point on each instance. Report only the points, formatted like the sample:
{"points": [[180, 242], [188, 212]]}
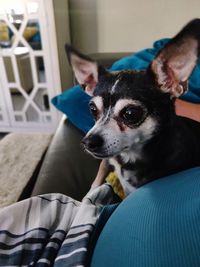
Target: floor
{"points": [[2, 135]]}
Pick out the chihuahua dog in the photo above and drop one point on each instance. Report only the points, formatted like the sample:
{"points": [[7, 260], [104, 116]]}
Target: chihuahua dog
{"points": [[136, 127]]}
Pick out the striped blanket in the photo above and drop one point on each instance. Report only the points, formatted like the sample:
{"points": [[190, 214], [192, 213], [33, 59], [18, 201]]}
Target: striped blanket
{"points": [[51, 229]]}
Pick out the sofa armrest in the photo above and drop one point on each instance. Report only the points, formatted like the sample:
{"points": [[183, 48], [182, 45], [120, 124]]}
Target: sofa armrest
{"points": [[66, 168]]}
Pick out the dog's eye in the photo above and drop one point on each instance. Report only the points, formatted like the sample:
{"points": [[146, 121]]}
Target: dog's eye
{"points": [[132, 115], [93, 109]]}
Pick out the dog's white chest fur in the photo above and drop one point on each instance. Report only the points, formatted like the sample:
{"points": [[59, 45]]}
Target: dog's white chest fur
{"points": [[125, 177]]}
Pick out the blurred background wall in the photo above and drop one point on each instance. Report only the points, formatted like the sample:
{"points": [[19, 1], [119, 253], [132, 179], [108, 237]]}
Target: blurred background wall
{"points": [[61, 15], [110, 26], [128, 25]]}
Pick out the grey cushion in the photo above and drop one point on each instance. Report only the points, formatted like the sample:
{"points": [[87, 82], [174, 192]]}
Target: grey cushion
{"points": [[66, 168]]}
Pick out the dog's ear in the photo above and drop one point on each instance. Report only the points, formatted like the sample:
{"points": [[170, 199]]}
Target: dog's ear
{"points": [[175, 62], [85, 69]]}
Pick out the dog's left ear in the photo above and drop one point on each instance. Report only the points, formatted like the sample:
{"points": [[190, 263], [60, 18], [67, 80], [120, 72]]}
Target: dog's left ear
{"points": [[175, 62], [85, 69]]}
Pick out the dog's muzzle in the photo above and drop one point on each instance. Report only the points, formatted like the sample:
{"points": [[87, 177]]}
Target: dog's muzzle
{"points": [[93, 143]]}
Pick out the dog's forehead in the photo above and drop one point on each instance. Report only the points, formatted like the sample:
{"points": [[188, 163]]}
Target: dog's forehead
{"points": [[120, 84]]}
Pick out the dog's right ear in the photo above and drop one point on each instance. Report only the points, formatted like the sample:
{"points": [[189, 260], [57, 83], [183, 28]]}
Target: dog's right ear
{"points": [[85, 69], [175, 62]]}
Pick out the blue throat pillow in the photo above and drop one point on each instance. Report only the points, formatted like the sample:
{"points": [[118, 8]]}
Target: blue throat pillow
{"points": [[74, 102]]}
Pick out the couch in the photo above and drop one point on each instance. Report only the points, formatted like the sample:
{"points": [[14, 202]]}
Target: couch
{"points": [[66, 168]]}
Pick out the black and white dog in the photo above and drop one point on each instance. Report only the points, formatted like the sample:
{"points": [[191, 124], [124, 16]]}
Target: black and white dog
{"points": [[136, 127]]}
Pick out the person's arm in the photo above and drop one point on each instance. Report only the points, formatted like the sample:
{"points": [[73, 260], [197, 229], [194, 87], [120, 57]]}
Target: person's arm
{"points": [[103, 171], [187, 109]]}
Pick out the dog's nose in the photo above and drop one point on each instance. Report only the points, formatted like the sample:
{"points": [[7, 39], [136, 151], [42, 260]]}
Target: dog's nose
{"points": [[93, 142]]}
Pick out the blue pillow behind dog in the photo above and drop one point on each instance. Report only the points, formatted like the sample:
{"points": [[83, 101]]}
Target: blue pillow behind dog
{"points": [[74, 102]]}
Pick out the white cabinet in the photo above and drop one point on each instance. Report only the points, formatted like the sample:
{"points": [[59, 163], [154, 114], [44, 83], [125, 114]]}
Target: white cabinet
{"points": [[29, 70]]}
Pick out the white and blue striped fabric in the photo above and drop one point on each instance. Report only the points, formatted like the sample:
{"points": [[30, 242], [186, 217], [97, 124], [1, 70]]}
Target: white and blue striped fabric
{"points": [[51, 229]]}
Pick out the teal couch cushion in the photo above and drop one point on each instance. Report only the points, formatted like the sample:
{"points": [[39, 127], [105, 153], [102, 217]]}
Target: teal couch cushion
{"points": [[156, 226]]}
